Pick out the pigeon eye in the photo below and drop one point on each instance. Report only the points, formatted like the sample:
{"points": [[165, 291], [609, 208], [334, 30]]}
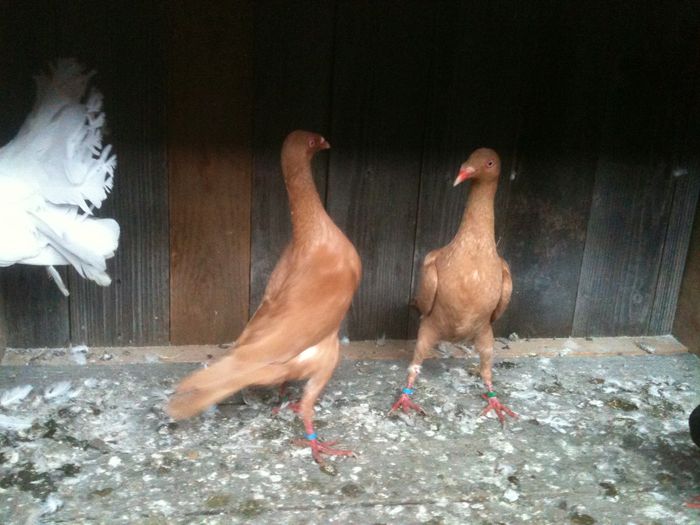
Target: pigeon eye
{"points": [[490, 164], [312, 143]]}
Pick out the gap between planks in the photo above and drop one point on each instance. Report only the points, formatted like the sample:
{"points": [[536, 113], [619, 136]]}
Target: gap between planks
{"points": [[362, 350]]}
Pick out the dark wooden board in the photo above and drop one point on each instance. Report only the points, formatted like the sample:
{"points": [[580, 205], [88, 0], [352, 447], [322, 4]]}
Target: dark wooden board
{"points": [[686, 325], [293, 68], [209, 143], [566, 70], [36, 313], [634, 184], [123, 42], [685, 172], [474, 96], [380, 90]]}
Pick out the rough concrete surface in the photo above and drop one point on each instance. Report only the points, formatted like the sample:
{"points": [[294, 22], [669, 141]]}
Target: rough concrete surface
{"points": [[599, 440]]}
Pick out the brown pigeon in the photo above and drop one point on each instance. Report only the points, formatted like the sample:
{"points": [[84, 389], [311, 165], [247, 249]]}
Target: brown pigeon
{"points": [[465, 286], [294, 333]]}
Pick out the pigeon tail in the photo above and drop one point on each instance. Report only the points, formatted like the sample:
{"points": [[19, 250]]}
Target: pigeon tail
{"points": [[210, 385]]}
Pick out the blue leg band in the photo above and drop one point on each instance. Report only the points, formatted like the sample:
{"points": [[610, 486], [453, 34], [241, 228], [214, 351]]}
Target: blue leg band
{"points": [[311, 436], [407, 391]]}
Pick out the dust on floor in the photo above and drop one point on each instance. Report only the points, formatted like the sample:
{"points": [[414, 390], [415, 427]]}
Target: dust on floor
{"points": [[599, 440]]}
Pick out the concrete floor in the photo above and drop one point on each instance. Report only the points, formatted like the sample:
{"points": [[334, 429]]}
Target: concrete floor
{"points": [[599, 440]]}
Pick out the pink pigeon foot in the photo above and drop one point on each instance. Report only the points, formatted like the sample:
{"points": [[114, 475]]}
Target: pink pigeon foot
{"points": [[404, 402], [320, 447], [293, 406], [495, 405]]}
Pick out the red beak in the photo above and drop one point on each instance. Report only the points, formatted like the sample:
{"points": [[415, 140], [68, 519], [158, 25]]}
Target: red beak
{"points": [[463, 175]]}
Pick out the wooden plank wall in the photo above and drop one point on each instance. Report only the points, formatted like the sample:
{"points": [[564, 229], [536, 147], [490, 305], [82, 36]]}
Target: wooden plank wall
{"points": [[134, 309], [380, 91], [209, 129], [644, 128], [590, 105]]}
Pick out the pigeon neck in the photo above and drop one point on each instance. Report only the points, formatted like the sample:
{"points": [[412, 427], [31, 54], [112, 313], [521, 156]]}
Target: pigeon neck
{"points": [[478, 213], [304, 202]]}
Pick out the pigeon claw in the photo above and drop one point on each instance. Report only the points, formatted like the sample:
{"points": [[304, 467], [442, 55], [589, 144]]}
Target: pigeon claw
{"points": [[499, 408], [320, 447], [404, 402]]}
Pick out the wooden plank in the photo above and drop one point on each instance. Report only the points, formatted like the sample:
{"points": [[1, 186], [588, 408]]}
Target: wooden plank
{"points": [[210, 158], [391, 349], [123, 42], [567, 66], [379, 108], [467, 109], [685, 171], [686, 325], [36, 313], [634, 182], [293, 69]]}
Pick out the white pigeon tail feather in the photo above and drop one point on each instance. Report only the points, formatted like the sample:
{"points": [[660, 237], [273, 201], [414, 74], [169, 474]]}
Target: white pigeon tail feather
{"points": [[84, 242], [53, 174]]}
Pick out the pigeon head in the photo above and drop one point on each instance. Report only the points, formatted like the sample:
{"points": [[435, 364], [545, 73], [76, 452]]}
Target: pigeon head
{"points": [[304, 141], [483, 164]]}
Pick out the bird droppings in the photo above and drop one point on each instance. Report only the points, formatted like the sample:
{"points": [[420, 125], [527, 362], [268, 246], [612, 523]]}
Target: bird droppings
{"points": [[598, 441]]}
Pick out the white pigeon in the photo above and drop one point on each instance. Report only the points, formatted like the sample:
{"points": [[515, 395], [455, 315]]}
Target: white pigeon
{"points": [[53, 174]]}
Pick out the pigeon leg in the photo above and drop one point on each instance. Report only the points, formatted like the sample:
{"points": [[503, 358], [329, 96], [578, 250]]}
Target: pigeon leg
{"points": [[426, 339], [305, 409], [293, 406], [484, 345]]}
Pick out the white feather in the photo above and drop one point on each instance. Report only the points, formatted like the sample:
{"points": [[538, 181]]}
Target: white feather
{"points": [[14, 395], [56, 277], [53, 174], [15, 423], [51, 505], [57, 390]]}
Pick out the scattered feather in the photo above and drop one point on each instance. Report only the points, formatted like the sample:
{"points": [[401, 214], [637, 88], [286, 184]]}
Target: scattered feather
{"points": [[15, 423], [646, 347], [57, 390], [15, 395], [51, 505]]}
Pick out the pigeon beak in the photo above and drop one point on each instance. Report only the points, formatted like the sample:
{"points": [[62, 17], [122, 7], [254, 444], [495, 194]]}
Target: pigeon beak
{"points": [[463, 175], [324, 144]]}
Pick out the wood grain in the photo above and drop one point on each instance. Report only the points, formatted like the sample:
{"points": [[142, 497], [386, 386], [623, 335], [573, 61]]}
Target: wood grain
{"points": [[292, 84], [686, 325], [634, 184], [380, 89], [209, 152], [685, 178]]}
